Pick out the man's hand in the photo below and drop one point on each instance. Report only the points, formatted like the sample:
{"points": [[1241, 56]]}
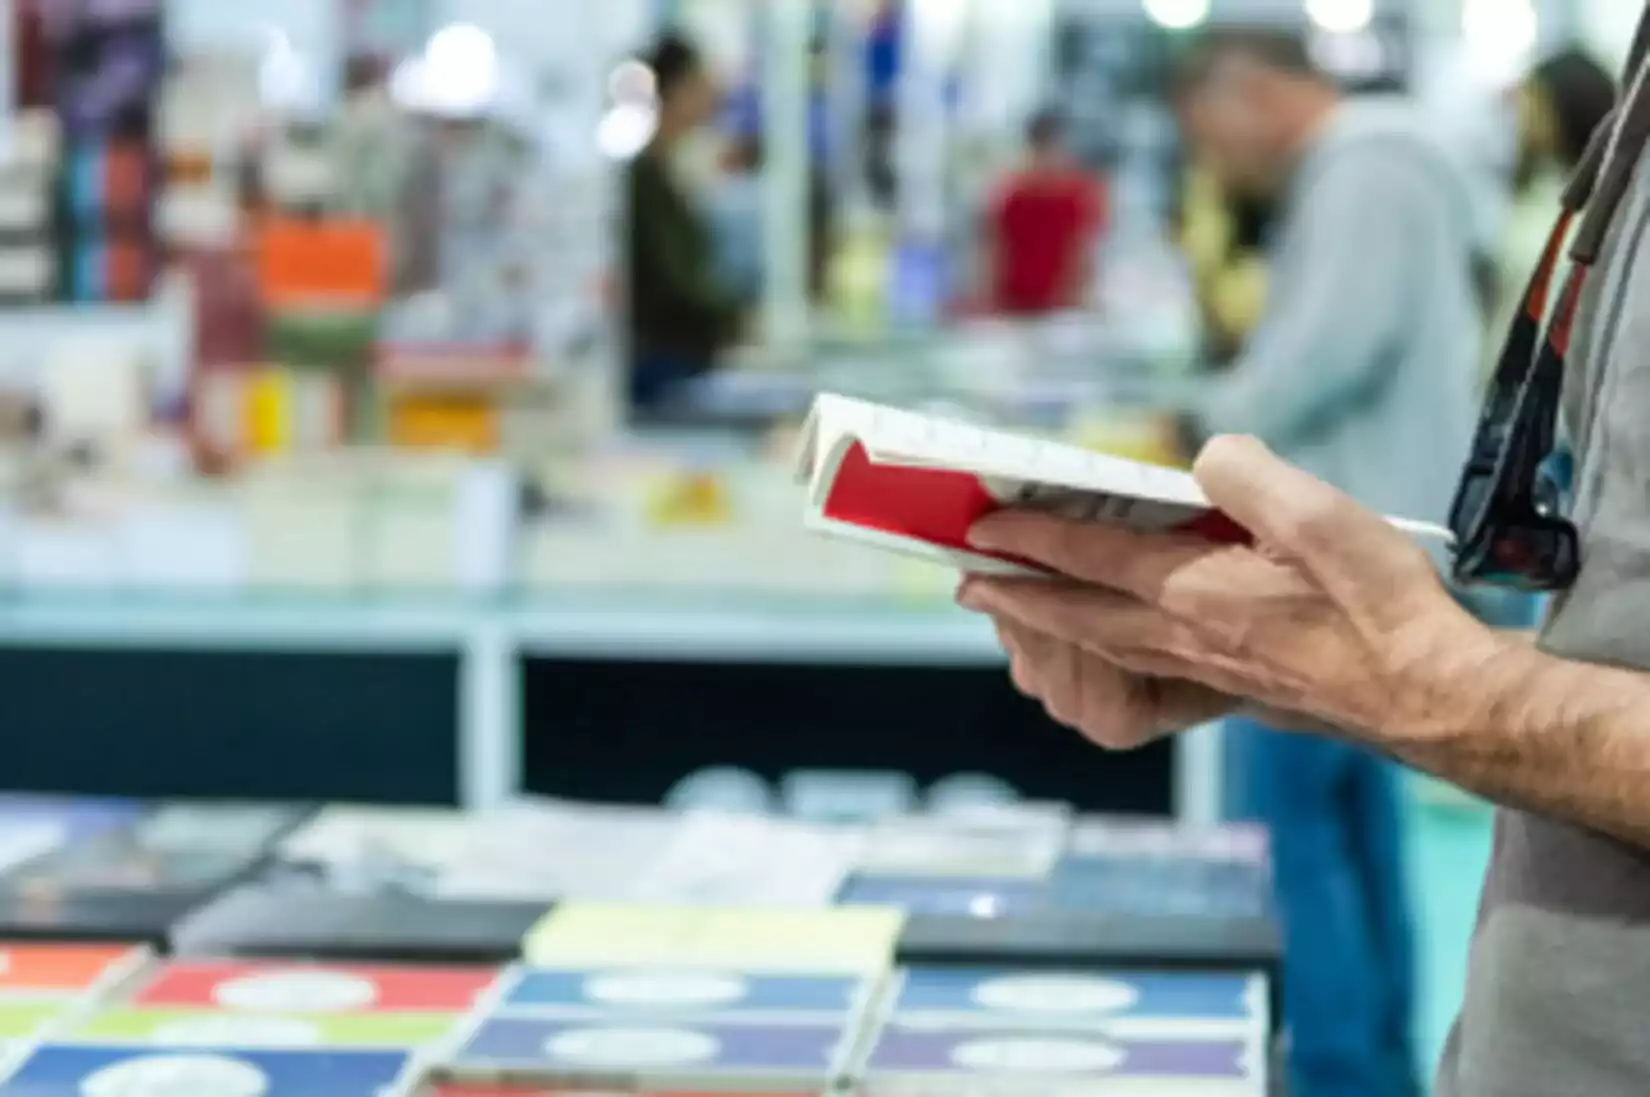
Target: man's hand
{"points": [[1333, 614]]}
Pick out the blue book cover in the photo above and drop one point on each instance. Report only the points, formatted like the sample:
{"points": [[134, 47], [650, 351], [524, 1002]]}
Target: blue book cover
{"points": [[54, 1071], [947, 897], [569, 1047], [1117, 1002], [1066, 1059], [701, 994]]}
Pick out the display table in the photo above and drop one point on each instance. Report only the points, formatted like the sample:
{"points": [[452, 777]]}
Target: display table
{"points": [[419, 677]]}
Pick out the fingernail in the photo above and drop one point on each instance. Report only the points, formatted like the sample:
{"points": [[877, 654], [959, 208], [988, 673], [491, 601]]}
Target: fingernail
{"points": [[982, 536], [969, 596]]}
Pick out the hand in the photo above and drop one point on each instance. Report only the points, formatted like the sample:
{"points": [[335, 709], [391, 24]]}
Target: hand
{"points": [[1113, 707], [1333, 614]]}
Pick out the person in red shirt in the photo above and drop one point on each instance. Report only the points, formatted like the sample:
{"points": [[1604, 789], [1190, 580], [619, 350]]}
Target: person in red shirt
{"points": [[1043, 226]]}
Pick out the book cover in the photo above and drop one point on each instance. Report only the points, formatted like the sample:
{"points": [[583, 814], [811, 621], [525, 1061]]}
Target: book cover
{"points": [[1133, 1004], [697, 1055], [957, 897], [97, 1071], [696, 993], [207, 1028], [314, 988], [62, 970], [857, 940], [1057, 1062]]}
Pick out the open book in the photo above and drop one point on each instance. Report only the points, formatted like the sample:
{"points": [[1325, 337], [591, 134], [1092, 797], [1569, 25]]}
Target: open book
{"points": [[916, 484]]}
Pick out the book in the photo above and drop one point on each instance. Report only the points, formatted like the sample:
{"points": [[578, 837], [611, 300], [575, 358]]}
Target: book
{"points": [[917, 1063], [98, 1070], [917, 484], [1131, 1005], [695, 1056], [843, 941], [698, 994]]}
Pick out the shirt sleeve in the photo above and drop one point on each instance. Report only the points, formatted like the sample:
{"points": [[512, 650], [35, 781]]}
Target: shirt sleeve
{"points": [[1327, 337]]}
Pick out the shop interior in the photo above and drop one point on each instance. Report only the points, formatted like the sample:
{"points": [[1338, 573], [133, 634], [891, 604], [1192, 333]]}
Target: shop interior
{"points": [[360, 607]]}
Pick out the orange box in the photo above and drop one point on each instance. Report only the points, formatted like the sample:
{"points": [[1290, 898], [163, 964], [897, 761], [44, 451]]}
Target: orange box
{"points": [[38, 969], [445, 421], [321, 264]]}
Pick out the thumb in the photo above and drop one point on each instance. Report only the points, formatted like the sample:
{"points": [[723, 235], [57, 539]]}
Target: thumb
{"points": [[1354, 554]]}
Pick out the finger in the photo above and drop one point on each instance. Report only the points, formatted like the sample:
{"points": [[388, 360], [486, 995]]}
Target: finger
{"points": [[1022, 664], [1077, 691], [1140, 564], [1353, 553], [1086, 617]]}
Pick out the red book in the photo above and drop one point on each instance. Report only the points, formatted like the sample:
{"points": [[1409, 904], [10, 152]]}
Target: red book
{"points": [[314, 988], [917, 484]]}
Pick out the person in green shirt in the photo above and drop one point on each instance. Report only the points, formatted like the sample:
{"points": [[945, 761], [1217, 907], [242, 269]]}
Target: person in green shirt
{"points": [[681, 316]]}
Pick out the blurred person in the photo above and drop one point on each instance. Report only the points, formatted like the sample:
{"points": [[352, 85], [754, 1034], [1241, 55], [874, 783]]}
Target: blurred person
{"points": [[1224, 241], [1361, 370], [1043, 228], [682, 317], [736, 205], [371, 143], [1560, 106]]}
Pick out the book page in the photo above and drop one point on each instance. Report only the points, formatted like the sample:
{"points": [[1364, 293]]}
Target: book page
{"points": [[902, 437]]}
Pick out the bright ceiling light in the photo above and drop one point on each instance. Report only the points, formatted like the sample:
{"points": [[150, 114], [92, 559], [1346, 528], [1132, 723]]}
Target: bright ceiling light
{"points": [[1500, 37], [632, 82], [460, 71], [1341, 16], [625, 131], [1177, 14]]}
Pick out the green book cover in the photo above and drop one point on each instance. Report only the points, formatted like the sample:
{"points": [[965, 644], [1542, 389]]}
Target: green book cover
{"points": [[21, 1020], [207, 1028]]}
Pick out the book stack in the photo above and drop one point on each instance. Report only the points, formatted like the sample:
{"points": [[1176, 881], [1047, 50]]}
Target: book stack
{"points": [[110, 63]]}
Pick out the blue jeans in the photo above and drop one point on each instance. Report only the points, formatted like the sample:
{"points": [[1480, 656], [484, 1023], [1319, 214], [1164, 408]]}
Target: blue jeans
{"points": [[657, 379], [1349, 953]]}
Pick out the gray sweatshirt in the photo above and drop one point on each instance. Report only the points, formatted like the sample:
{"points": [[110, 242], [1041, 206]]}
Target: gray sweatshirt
{"points": [[1364, 368], [1558, 997]]}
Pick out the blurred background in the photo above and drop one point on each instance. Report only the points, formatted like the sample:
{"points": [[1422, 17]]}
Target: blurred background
{"points": [[353, 445]]}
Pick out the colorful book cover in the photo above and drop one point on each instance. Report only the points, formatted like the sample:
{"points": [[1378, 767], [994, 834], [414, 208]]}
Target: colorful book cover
{"points": [[699, 993], [1161, 887], [947, 897], [697, 1055], [922, 847], [26, 1020], [62, 970], [464, 1089], [208, 1028], [314, 988], [1050, 1062], [1124, 1004], [188, 1072], [849, 940]]}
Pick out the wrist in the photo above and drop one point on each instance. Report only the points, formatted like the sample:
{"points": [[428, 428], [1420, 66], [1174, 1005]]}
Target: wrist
{"points": [[1476, 681]]}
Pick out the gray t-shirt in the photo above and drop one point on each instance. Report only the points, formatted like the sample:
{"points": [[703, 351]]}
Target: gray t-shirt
{"points": [[1558, 995], [1371, 330]]}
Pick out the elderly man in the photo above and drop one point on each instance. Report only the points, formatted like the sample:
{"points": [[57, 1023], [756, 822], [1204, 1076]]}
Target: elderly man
{"points": [[1332, 620]]}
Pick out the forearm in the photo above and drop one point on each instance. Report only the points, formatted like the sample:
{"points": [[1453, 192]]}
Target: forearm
{"points": [[1563, 739]]}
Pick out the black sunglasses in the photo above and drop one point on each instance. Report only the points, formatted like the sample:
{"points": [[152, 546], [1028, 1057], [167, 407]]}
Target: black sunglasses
{"points": [[1507, 521]]}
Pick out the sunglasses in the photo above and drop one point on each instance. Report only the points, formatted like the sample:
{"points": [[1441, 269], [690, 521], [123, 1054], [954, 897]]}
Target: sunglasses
{"points": [[1507, 516]]}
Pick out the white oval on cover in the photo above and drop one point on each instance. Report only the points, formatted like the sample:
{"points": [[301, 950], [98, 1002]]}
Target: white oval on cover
{"points": [[1055, 994], [1038, 1055], [297, 992], [233, 1031], [632, 1047], [647, 988], [176, 1075]]}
